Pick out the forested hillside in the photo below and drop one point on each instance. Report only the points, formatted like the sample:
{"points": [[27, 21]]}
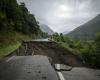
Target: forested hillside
{"points": [[17, 18], [87, 50], [46, 28], [88, 30], [16, 24]]}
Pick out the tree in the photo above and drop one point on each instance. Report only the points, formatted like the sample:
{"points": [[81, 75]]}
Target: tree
{"points": [[14, 17], [61, 36], [97, 41]]}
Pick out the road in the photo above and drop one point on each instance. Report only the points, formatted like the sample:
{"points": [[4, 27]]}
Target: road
{"points": [[27, 68], [80, 73], [42, 39], [39, 68], [77, 73]]}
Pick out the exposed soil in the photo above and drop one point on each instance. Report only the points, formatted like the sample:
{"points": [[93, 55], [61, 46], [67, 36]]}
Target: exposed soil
{"points": [[55, 52]]}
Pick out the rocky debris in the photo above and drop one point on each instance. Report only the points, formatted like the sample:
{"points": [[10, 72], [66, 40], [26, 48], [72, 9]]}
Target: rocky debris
{"points": [[56, 53], [62, 67]]}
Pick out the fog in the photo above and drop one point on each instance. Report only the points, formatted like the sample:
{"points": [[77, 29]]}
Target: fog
{"points": [[63, 15]]}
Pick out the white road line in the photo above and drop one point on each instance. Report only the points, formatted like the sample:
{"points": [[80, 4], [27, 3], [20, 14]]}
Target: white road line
{"points": [[61, 76], [58, 66], [10, 58], [59, 73]]}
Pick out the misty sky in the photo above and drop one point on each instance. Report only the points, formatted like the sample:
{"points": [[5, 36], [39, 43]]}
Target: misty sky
{"points": [[63, 15]]}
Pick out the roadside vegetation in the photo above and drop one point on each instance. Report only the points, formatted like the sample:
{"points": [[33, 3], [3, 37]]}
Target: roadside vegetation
{"points": [[88, 50], [16, 24], [8, 49]]}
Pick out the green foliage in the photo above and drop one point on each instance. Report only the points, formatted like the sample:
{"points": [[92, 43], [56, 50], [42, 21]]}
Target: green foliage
{"points": [[14, 17], [97, 42], [16, 24], [44, 35], [8, 49], [57, 37], [89, 51], [88, 30]]}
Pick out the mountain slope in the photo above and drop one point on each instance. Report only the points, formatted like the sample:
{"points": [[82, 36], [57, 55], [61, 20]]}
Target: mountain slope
{"points": [[46, 29], [66, 32], [88, 30], [16, 24]]}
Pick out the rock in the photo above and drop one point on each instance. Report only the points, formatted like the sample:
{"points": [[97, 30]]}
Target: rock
{"points": [[62, 67]]}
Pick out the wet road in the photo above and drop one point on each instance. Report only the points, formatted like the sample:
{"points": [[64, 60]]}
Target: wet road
{"points": [[27, 68], [47, 39], [82, 74], [39, 68]]}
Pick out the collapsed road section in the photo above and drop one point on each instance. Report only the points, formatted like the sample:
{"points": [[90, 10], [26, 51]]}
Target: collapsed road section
{"points": [[40, 60], [54, 51]]}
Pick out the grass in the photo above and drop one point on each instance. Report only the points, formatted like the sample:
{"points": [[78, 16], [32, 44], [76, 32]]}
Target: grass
{"points": [[8, 49], [10, 41], [65, 45]]}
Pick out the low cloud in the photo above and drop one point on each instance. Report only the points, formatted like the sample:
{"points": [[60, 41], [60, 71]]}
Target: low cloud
{"points": [[63, 15]]}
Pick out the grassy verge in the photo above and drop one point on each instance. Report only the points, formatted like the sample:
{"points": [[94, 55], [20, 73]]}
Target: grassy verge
{"points": [[8, 49], [10, 41]]}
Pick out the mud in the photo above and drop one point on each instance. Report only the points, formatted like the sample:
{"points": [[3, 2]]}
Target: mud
{"points": [[55, 52]]}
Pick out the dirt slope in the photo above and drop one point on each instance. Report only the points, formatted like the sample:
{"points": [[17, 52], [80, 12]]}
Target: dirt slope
{"points": [[53, 50]]}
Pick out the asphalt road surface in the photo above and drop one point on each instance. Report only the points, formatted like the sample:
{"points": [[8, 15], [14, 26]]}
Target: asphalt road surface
{"points": [[39, 68], [47, 39], [80, 73], [27, 68]]}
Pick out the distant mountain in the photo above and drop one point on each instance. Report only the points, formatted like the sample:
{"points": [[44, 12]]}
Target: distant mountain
{"points": [[46, 28], [88, 30], [66, 32]]}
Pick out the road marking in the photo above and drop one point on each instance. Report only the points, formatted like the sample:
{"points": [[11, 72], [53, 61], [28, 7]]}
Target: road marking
{"points": [[10, 58], [58, 66], [61, 76], [59, 73]]}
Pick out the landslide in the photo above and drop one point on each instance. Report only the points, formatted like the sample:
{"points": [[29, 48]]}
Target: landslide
{"points": [[54, 51]]}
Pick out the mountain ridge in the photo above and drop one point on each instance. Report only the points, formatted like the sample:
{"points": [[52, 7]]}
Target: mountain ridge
{"points": [[46, 28], [87, 30]]}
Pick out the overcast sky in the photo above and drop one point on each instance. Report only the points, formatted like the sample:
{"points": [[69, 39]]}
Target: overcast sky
{"points": [[63, 15]]}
